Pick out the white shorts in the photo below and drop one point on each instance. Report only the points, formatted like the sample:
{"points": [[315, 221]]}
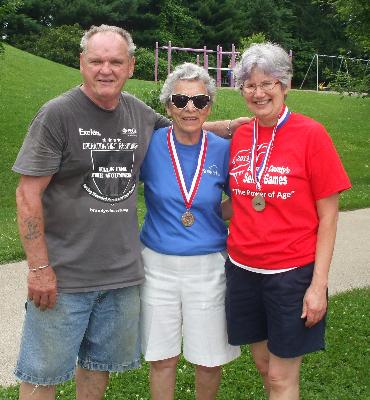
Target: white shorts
{"points": [[183, 297]]}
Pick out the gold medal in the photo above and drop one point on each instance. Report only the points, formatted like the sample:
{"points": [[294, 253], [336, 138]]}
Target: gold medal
{"points": [[187, 219], [258, 202]]}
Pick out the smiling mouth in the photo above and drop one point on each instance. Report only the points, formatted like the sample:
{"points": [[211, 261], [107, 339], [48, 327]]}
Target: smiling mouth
{"points": [[261, 102], [105, 81], [189, 118]]}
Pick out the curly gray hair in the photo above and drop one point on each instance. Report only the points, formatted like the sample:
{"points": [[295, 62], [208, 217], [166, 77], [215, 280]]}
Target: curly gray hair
{"points": [[187, 72], [268, 57], [107, 28]]}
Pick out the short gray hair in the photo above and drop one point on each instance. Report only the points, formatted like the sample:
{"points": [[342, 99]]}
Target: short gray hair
{"points": [[187, 72], [107, 28], [268, 57]]}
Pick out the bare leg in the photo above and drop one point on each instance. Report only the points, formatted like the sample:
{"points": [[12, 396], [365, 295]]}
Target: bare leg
{"points": [[284, 377], [261, 356], [163, 378], [207, 381], [90, 385], [27, 391]]}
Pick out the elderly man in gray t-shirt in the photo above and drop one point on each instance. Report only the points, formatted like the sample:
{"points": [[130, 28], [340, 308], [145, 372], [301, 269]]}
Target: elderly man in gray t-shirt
{"points": [[76, 200]]}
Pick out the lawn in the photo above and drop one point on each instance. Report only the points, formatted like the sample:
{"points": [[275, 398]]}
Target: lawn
{"points": [[339, 373], [26, 82]]}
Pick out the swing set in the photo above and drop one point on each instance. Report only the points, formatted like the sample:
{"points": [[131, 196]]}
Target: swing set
{"points": [[343, 66], [219, 57]]}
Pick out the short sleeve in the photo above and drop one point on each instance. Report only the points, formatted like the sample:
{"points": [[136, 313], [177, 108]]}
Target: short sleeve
{"points": [[326, 172], [161, 121], [41, 152]]}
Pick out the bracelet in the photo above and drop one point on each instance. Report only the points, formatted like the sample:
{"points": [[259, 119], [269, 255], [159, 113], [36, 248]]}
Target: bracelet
{"points": [[228, 128], [35, 269]]}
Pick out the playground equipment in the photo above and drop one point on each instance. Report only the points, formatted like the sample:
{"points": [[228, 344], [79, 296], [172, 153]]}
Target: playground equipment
{"points": [[219, 55], [343, 65]]}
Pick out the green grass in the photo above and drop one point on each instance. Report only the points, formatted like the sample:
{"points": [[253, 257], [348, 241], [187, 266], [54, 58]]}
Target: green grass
{"points": [[339, 373]]}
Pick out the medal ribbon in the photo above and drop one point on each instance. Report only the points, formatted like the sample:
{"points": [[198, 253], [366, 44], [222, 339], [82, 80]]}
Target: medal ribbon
{"points": [[258, 172], [187, 196]]}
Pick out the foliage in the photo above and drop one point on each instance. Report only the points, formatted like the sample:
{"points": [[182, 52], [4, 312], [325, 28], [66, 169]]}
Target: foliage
{"points": [[144, 65], [356, 16], [245, 43], [301, 61], [178, 25], [151, 98], [65, 39], [66, 44], [345, 83], [221, 22], [316, 26], [304, 26], [84, 12], [270, 17], [7, 9]]}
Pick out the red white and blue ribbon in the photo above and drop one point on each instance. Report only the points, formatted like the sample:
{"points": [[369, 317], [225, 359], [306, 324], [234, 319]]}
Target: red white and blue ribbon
{"points": [[259, 171], [188, 196]]}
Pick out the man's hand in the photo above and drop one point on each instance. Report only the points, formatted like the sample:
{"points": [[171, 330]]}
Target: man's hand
{"points": [[237, 122], [42, 288], [225, 128]]}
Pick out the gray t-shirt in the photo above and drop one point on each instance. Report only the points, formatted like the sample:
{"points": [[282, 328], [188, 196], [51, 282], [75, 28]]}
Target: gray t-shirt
{"points": [[90, 204]]}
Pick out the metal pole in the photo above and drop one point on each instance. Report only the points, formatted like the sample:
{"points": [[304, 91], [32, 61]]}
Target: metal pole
{"points": [[307, 71], [156, 62], [205, 58], [169, 58], [232, 65], [218, 67], [317, 72]]}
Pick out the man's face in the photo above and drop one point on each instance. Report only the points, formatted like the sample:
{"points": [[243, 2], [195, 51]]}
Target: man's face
{"points": [[105, 67]]}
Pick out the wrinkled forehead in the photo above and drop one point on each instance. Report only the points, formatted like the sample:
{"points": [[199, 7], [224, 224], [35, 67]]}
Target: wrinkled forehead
{"points": [[261, 74], [106, 42], [189, 87]]}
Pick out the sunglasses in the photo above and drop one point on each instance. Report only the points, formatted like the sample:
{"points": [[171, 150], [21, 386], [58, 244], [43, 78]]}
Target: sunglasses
{"points": [[200, 101]]}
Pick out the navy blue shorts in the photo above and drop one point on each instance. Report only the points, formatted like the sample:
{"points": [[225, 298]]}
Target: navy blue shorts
{"points": [[269, 307]]}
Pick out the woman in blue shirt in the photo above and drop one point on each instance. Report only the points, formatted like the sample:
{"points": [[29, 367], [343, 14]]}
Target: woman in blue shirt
{"points": [[185, 173]]}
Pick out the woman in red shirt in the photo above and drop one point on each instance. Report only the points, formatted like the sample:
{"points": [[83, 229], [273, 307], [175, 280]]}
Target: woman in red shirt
{"points": [[285, 180]]}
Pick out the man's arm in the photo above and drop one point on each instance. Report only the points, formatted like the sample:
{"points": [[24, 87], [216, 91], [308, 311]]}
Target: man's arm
{"points": [[315, 301], [225, 128], [41, 281]]}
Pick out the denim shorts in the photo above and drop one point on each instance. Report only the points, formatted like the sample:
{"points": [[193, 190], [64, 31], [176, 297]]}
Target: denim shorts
{"points": [[268, 307], [99, 330]]}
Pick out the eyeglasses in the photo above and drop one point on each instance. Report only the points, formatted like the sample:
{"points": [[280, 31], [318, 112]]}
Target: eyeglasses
{"points": [[200, 101], [265, 86]]}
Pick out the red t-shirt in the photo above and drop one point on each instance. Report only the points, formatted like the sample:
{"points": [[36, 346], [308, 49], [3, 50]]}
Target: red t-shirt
{"points": [[303, 167]]}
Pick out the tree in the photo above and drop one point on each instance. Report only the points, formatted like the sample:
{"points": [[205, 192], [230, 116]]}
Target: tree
{"points": [[245, 43], [178, 25], [52, 13], [66, 44], [270, 17], [8, 8], [316, 26], [356, 16], [220, 20]]}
